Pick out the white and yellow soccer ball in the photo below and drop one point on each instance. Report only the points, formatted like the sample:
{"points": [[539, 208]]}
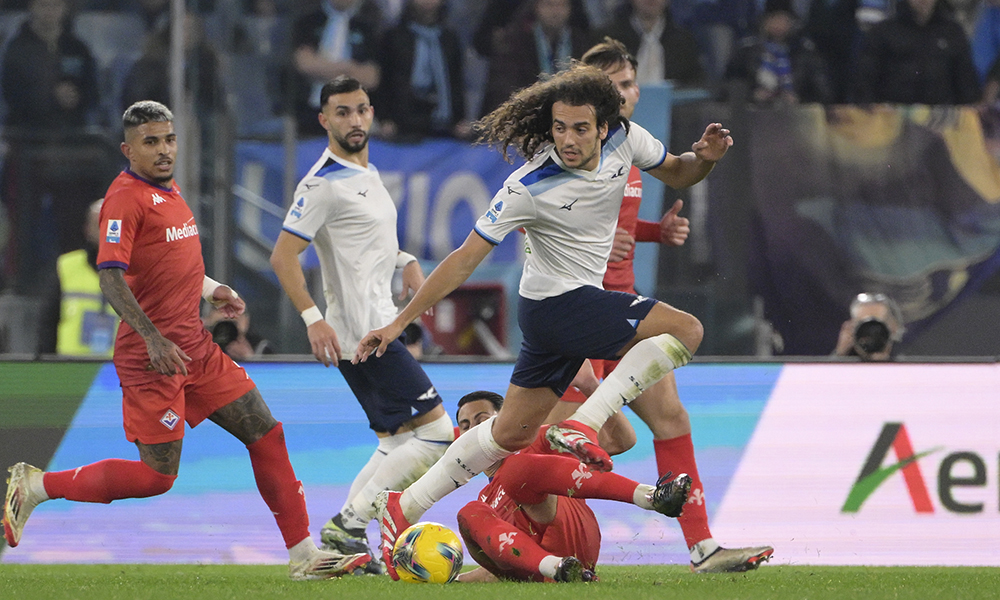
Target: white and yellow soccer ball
{"points": [[427, 553]]}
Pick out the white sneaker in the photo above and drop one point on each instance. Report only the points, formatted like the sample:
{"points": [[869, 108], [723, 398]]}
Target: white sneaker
{"points": [[323, 564], [19, 503]]}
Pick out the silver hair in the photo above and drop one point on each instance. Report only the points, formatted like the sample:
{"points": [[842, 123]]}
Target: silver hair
{"points": [[146, 111]]}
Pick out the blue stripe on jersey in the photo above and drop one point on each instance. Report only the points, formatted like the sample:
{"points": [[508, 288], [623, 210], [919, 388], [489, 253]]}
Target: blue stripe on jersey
{"points": [[663, 157], [112, 264], [486, 237], [548, 169], [334, 170], [546, 177], [297, 234], [616, 137]]}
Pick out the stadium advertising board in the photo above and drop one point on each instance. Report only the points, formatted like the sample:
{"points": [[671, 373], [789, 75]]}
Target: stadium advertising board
{"points": [[831, 464], [872, 465]]}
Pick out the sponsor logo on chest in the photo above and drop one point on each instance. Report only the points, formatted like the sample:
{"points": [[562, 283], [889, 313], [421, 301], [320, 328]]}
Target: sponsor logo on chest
{"points": [[186, 230]]}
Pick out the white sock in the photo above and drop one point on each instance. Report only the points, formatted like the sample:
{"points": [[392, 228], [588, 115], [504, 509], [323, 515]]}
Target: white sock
{"points": [[467, 456], [703, 550], [549, 566], [646, 363], [401, 468], [302, 551], [37, 486], [386, 445], [641, 497]]}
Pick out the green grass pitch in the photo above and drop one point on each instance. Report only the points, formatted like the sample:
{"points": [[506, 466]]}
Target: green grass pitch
{"points": [[190, 582]]}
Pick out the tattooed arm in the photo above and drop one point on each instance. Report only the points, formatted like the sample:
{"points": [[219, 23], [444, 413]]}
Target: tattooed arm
{"points": [[165, 356]]}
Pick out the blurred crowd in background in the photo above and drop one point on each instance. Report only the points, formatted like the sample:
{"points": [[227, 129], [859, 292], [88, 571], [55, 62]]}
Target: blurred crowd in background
{"points": [[68, 68]]}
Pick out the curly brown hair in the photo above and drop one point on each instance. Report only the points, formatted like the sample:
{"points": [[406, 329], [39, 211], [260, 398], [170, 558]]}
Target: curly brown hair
{"points": [[525, 119]]}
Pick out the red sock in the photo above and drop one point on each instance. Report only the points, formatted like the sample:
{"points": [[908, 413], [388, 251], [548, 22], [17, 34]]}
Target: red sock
{"points": [[276, 482], [563, 476], [677, 455], [107, 480], [498, 546]]}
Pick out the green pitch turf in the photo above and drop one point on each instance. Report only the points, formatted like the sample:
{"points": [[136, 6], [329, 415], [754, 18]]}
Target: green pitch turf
{"points": [[190, 582]]}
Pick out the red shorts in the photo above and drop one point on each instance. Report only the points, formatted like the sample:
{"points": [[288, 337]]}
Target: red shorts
{"points": [[574, 532], [154, 412], [601, 369]]}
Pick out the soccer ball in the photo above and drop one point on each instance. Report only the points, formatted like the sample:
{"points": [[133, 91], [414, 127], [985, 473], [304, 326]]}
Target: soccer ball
{"points": [[427, 553]]}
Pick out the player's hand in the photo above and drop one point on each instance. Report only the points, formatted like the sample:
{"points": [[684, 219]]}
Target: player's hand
{"points": [[376, 341], [228, 302], [674, 229], [166, 357], [324, 343], [713, 143], [623, 244], [845, 341], [413, 278]]}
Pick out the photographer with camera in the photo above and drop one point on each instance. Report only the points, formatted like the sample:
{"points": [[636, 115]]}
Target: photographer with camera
{"points": [[876, 323]]}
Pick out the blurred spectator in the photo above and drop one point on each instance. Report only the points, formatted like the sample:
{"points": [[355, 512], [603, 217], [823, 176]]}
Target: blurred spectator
{"points": [[919, 56], [53, 168], [49, 80], [664, 50], [986, 38], [834, 26], [147, 78], [876, 324], [499, 15], [718, 26], [779, 64], [539, 46], [340, 38], [423, 86], [78, 321], [235, 336]]}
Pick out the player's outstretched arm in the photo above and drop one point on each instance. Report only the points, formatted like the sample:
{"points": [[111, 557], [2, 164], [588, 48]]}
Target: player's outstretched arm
{"points": [[451, 273], [285, 261], [691, 167], [165, 356]]}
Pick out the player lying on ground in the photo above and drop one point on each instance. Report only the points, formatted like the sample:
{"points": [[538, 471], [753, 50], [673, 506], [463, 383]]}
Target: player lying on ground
{"points": [[152, 273], [532, 522]]}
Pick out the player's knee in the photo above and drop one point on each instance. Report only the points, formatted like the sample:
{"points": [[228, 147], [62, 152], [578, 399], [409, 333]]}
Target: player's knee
{"points": [[690, 332], [514, 439]]}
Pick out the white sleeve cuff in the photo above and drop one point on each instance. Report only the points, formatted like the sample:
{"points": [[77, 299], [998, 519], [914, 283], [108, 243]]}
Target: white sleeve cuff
{"points": [[403, 259]]}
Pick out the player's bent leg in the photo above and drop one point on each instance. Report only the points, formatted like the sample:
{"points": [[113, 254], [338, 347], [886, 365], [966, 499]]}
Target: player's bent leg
{"points": [[247, 418], [502, 548], [465, 458], [645, 363], [665, 319]]}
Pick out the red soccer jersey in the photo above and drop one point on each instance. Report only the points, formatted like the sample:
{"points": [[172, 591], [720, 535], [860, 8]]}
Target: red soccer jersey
{"points": [[150, 232], [573, 532], [620, 277]]}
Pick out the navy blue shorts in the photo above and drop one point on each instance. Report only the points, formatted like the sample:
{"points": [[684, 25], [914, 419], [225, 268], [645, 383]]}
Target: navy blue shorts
{"points": [[560, 332], [392, 389]]}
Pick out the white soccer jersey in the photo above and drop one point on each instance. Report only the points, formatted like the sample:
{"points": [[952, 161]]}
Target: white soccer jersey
{"points": [[569, 215], [347, 213]]}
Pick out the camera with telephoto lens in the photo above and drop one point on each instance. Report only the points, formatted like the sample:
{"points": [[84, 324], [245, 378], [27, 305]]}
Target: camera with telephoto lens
{"points": [[871, 336], [225, 332]]}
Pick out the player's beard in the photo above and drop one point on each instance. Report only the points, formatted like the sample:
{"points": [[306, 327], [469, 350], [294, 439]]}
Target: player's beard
{"points": [[352, 148]]}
